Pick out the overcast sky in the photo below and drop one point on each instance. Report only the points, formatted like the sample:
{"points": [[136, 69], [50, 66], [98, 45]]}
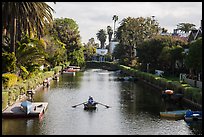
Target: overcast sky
{"points": [[93, 16]]}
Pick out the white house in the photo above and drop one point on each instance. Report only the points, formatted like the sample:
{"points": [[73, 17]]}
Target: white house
{"points": [[101, 53]]}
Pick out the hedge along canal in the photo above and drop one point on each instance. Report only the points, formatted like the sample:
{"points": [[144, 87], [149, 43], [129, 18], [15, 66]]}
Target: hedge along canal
{"points": [[13, 91], [192, 95]]}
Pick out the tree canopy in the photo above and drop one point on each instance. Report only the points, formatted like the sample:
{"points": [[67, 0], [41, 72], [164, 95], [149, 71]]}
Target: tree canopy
{"points": [[133, 31], [185, 27], [101, 36], [66, 30], [161, 52], [193, 59], [24, 17]]}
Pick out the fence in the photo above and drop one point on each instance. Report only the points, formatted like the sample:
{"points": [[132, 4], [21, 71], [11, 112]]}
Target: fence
{"points": [[192, 82]]}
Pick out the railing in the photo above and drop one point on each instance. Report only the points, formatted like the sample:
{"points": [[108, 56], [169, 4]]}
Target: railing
{"points": [[192, 82]]}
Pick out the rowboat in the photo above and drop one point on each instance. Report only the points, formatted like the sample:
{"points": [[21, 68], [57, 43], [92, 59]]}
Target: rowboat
{"points": [[88, 106], [26, 106], [75, 68], [177, 114], [69, 72], [72, 69], [193, 115]]}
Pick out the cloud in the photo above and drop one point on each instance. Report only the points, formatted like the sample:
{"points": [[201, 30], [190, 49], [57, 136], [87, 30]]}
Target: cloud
{"points": [[92, 16]]}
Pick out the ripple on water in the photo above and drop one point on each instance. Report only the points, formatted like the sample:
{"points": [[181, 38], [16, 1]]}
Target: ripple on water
{"points": [[134, 109]]}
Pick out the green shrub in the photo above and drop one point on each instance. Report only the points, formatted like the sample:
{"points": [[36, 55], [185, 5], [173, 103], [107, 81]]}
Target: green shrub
{"points": [[194, 94], [190, 92], [11, 98], [19, 80], [197, 97], [176, 86], [9, 80], [185, 85], [45, 69], [24, 72], [57, 69], [12, 91], [4, 99], [8, 62], [162, 82], [31, 75]]}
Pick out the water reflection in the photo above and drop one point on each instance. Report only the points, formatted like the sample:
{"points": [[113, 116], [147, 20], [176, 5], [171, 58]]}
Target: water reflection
{"points": [[24, 126], [140, 98], [134, 109]]}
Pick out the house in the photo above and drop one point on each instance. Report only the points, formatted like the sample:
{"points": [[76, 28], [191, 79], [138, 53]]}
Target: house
{"points": [[195, 34], [100, 54]]}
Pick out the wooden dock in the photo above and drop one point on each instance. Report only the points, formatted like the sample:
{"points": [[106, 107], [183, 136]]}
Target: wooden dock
{"points": [[38, 109]]}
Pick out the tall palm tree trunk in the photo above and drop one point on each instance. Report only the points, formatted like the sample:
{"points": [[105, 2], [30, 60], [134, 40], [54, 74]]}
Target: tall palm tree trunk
{"points": [[4, 31], [13, 35], [18, 31]]}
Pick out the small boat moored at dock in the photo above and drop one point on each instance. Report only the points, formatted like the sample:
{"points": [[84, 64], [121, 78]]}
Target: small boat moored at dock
{"points": [[75, 68], [193, 116], [70, 73], [177, 114], [26, 106]]}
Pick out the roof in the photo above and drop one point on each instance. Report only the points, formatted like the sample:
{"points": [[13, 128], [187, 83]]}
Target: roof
{"points": [[101, 51], [195, 34]]}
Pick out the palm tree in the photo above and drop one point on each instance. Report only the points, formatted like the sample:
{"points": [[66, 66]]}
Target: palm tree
{"points": [[110, 33], [30, 52], [24, 17], [186, 27], [164, 30], [101, 36], [115, 18]]}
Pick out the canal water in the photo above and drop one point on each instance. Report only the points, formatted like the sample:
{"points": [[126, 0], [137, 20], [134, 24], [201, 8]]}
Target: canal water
{"points": [[134, 109]]}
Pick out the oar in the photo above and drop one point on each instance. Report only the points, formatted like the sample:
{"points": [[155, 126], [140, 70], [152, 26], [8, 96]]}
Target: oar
{"points": [[103, 104], [78, 104]]}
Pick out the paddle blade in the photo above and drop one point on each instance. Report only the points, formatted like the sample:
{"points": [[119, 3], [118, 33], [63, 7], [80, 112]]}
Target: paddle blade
{"points": [[103, 105], [78, 104], [107, 106]]}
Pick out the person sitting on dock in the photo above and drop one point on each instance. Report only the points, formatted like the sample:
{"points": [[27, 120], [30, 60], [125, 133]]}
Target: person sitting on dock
{"points": [[90, 100]]}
